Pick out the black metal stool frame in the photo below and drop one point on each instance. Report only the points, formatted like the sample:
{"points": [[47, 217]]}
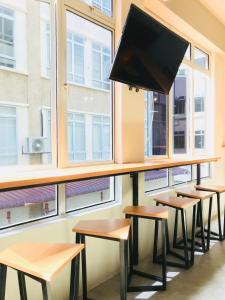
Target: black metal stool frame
{"points": [[80, 238], [217, 236], [46, 293], [143, 274], [204, 245], [188, 261]]}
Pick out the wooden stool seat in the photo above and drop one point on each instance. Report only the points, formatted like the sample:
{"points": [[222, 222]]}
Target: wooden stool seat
{"points": [[110, 229], [211, 188], [176, 202], [39, 260], [114, 229], [202, 195], [147, 211]]}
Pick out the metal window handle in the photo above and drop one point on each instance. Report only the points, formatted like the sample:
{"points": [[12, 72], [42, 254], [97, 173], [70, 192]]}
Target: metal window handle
{"points": [[66, 87]]}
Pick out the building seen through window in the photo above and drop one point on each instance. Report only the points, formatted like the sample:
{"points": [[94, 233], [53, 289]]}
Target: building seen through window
{"points": [[156, 124], [26, 109]]}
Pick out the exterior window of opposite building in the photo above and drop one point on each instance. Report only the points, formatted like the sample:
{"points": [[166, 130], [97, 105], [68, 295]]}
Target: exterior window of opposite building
{"points": [[75, 58], [101, 138], [7, 56], [104, 5], [199, 139], [100, 66], [48, 49], [76, 137], [8, 134]]}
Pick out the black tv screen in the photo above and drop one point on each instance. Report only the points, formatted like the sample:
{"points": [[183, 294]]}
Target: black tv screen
{"points": [[149, 54]]}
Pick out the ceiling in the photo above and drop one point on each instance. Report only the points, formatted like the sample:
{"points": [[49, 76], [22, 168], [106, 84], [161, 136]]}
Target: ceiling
{"points": [[216, 7]]}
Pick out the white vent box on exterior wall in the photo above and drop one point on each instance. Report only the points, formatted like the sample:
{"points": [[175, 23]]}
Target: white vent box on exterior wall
{"points": [[35, 145]]}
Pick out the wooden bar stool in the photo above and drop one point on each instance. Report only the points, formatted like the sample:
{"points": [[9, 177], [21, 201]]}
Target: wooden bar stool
{"points": [[202, 195], [218, 189], [158, 214], [40, 262], [180, 204], [115, 230]]}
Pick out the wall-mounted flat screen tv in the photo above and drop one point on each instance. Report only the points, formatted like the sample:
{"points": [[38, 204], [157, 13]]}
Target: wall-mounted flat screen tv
{"points": [[149, 54]]}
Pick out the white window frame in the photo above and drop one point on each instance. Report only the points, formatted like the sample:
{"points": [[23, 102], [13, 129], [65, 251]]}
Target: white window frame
{"points": [[7, 17]]}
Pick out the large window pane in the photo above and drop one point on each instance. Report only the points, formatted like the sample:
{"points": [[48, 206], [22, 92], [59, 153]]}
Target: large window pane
{"points": [[181, 111], [25, 205], [103, 5], [87, 193], [90, 97], [156, 179], [204, 169], [201, 58], [201, 84], [181, 174], [25, 95], [156, 124]]}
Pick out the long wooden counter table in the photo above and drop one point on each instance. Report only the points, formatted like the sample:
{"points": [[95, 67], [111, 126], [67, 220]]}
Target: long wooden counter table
{"points": [[40, 177], [25, 178]]}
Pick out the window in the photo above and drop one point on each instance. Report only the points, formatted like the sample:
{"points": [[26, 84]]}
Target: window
{"points": [[76, 136], [199, 104], [104, 5], [204, 169], [101, 138], [101, 66], [188, 53], [87, 193], [7, 57], [181, 111], [48, 49], [202, 134], [90, 137], [24, 140], [201, 58], [75, 58], [179, 140], [168, 178], [156, 124], [181, 175], [8, 133], [25, 205], [199, 139], [156, 179]]}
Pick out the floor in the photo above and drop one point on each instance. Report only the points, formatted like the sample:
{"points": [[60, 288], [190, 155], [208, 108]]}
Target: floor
{"points": [[204, 281]]}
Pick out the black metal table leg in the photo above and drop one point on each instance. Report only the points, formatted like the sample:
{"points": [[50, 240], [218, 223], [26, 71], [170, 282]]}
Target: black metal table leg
{"points": [[46, 292], [22, 286], [219, 217], [164, 227], [193, 235], [209, 223], [135, 221], [200, 206], [184, 229], [155, 244], [3, 273], [175, 229], [123, 276], [74, 281], [84, 268], [198, 181]]}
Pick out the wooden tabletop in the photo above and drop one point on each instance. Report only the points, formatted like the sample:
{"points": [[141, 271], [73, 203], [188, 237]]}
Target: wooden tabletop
{"points": [[21, 178]]}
